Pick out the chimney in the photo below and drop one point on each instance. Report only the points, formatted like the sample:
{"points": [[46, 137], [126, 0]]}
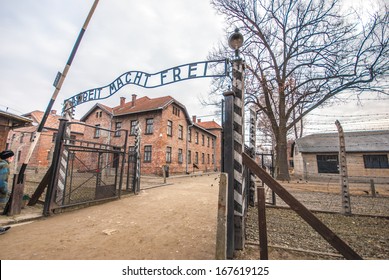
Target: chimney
{"points": [[53, 112], [194, 118], [198, 120], [133, 99], [122, 101]]}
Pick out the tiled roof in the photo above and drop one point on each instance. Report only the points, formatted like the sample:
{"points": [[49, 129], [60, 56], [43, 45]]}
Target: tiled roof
{"points": [[17, 120], [366, 141], [52, 121], [142, 104], [209, 125]]}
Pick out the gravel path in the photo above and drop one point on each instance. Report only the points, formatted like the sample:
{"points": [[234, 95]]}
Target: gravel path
{"points": [[361, 205], [290, 237]]}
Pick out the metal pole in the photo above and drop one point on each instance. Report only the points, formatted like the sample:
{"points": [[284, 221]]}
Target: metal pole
{"points": [[58, 84]]}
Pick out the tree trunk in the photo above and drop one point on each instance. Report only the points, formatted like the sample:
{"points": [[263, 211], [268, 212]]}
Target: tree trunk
{"points": [[282, 156]]}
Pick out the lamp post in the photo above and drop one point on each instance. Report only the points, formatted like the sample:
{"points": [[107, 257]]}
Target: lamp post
{"points": [[233, 129], [235, 41]]}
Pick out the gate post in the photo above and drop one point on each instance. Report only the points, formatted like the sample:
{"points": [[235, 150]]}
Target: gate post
{"points": [[136, 182], [233, 134], [50, 193], [238, 148], [228, 167]]}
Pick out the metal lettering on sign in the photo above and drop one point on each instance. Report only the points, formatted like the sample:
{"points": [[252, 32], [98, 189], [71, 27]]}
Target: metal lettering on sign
{"points": [[203, 69]]}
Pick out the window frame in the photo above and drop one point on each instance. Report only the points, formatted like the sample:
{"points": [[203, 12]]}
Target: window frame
{"points": [[118, 125], [97, 133], [169, 153], [149, 127], [376, 161], [169, 130], [147, 153]]}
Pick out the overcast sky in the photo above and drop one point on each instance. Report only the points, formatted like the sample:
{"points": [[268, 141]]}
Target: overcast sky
{"points": [[37, 37]]}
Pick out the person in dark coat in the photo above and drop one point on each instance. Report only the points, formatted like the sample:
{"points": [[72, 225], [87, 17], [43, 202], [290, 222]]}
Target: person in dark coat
{"points": [[6, 157]]}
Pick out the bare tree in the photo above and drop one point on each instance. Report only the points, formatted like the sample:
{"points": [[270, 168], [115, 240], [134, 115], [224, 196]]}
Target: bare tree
{"points": [[299, 54]]}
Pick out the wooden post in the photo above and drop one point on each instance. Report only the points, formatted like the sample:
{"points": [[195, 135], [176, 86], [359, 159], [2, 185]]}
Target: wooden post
{"points": [[346, 206], [14, 205], [372, 187], [263, 251], [164, 173], [221, 234]]}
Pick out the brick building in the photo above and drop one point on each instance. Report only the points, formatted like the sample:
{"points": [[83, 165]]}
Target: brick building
{"points": [[316, 156], [9, 121], [19, 140], [168, 135]]}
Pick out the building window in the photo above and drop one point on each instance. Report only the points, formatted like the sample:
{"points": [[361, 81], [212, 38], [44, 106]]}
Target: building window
{"points": [[180, 158], [149, 126], [180, 132], [213, 159], [115, 160], [118, 126], [197, 138], [131, 153], [376, 161], [133, 125], [19, 155], [196, 158], [97, 131], [203, 139], [213, 143], [21, 137], [49, 155], [176, 111], [202, 158], [189, 135], [327, 164], [72, 140], [148, 152], [168, 154], [54, 137], [208, 159], [189, 157], [207, 141], [169, 128]]}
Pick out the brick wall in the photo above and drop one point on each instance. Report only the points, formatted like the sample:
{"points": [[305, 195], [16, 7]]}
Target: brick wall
{"points": [[160, 141]]}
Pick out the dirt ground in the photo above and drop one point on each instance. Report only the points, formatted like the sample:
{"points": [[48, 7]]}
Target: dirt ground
{"points": [[176, 221]]}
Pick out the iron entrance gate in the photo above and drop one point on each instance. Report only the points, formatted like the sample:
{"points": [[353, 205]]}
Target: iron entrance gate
{"points": [[90, 169]]}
